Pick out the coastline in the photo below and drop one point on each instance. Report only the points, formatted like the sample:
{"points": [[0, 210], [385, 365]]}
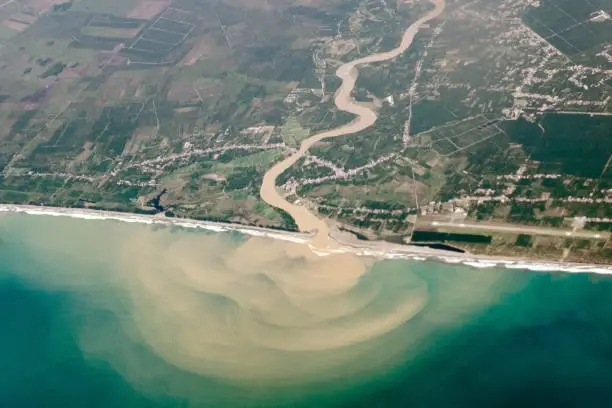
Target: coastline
{"points": [[161, 220], [380, 250]]}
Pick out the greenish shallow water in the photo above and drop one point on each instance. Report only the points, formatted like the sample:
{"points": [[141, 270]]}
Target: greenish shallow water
{"points": [[107, 314]]}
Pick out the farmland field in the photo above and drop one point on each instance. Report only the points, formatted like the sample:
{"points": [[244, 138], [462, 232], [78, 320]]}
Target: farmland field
{"points": [[498, 111], [97, 31], [120, 8], [575, 28]]}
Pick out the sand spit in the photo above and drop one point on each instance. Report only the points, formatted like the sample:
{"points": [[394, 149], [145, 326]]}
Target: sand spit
{"points": [[344, 245]]}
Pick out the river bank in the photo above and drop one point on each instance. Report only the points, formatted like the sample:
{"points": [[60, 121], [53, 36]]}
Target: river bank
{"points": [[365, 117], [343, 242]]}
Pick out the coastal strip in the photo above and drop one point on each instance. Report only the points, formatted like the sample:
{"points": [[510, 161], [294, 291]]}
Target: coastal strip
{"points": [[159, 219], [379, 250]]}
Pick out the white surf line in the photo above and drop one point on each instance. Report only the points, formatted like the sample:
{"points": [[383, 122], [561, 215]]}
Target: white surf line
{"points": [[87, 214], [374, 249], [323, 244]]}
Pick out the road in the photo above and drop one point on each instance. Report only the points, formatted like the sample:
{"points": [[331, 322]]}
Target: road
{"points": [[518, 229], [583, 113], [7, 3]]}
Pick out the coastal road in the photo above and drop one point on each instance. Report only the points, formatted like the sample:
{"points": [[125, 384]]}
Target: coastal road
{"points": [[517, 229]]}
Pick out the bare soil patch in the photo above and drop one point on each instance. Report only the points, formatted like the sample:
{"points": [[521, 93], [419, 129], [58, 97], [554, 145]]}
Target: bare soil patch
{"points": [[140, 136], [204, 47], [15, 25], [148, 9]]}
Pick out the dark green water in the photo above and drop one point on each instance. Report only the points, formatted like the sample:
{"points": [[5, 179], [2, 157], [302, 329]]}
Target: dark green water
{"points": [[104, 314]]}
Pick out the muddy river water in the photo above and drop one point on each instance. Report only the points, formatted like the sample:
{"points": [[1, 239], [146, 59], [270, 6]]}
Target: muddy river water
{"points": [[365, 117]]}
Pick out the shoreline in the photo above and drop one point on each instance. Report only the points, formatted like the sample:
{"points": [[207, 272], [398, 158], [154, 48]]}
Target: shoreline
{"points": [[150, 219], [380, 250]]}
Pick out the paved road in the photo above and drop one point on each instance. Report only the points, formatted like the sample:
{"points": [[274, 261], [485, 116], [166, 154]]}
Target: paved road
{"points": [[584, 113], [519, 229]]}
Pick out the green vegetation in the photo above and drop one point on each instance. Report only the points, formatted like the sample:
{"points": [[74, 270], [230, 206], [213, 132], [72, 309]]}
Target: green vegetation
{"points": [[114, 7], [54, 70], [109, 103], [293, 133], [61, 7], [569, 27], [571, 144], [524, 240]]}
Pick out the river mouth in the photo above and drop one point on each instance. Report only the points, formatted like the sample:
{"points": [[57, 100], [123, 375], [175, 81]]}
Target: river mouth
{"points": [[217, 319], [106, 314], [365, 117]]}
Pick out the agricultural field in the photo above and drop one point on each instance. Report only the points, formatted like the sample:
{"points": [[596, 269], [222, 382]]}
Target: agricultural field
{"points": [[111, 104], [500, 111], [450, 140], [580, 30]]}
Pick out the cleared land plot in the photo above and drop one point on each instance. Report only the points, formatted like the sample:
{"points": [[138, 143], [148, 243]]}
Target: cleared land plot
{"points": [[143, 56], [110, 32], [179, 15], [105, 32], [115, 7], [97, 43], [445, 147], [173, 26], [148, 9], [163, 36], [116, 22], [572, 26], [459, 137], [152, 46]]}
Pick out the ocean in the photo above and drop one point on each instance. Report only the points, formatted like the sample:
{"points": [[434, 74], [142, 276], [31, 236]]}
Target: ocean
{"points": [[111, 314]]}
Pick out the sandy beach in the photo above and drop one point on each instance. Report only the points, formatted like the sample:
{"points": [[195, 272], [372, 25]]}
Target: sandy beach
{"points": [[88, 214], [326, 240], [321, 238], [345, 243]]}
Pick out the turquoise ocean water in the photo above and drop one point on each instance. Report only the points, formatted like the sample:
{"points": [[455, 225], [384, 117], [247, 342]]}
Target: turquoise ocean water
{"points": [[109, 314]]}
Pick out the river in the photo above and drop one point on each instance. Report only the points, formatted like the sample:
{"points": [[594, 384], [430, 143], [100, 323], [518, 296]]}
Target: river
{"points": [[365, 117]]}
